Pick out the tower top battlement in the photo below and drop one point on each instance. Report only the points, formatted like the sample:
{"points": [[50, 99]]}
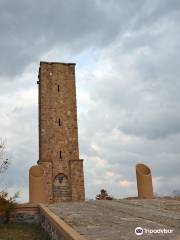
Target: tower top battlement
{"points": [[63, 63]]}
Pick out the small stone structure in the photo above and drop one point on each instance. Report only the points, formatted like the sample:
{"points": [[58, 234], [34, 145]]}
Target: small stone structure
{"points": [[59, 175], [144, 181]]}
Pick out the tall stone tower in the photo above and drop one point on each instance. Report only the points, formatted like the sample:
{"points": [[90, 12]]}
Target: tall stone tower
{"points": [[62, 170]]}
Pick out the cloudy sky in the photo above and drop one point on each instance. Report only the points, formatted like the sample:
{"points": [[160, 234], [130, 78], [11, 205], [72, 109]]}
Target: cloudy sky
{"points": [[128, 87]]}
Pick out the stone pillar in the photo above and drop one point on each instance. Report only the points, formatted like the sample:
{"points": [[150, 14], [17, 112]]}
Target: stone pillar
{"points": [[48, 191], [144, 181], [77, 180], [37, 184]]}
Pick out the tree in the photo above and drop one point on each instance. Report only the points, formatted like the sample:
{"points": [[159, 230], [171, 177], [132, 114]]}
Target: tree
{"points": [[4, 161], [103, 195], [7, 203]]}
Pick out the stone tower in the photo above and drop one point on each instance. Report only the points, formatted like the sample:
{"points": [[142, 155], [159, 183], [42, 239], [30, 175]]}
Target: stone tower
{"points": [[58, 134]]}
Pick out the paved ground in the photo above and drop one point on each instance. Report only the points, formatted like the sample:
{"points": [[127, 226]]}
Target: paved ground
{"points": [[116, 220]]}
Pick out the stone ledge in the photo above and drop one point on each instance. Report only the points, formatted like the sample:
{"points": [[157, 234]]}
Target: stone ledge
{"points": [[65, 231], [26, 207]]}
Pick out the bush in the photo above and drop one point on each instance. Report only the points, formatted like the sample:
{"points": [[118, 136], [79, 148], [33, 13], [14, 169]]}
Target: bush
{"points": [[4, 161], [103, 195], [7, 203]]}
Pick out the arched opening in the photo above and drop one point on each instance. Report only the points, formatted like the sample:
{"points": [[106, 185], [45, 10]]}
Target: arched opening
{"points": [[61, 188]]}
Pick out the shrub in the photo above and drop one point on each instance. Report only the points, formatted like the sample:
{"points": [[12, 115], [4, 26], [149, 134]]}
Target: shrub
{"points": [[7, 203], [103, 195], [4, 161]]}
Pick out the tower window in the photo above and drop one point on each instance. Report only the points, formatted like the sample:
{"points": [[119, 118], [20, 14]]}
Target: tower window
{"points": [[60, 154], [58, 88], [59, 122]]}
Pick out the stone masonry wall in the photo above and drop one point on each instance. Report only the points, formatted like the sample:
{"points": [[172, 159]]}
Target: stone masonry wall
{"points": [[48, 191], [58, 132], [50, 228], [23, 213], [77, 180]]}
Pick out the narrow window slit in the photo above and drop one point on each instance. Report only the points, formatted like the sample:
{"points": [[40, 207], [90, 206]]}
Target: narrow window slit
{"points": [[60, 154], [58, 88], [59, 122]]}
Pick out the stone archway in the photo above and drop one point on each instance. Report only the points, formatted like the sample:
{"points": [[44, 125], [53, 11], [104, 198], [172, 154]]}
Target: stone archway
{"points": [[61, 188]]}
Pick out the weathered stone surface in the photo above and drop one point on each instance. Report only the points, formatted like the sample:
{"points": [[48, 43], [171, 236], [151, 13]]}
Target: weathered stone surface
{"points": [[116, 220], [58, 134], [50, 228]]}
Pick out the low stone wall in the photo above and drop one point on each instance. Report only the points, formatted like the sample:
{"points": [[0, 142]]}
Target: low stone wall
{"points": [[23, 213], [40, 214], [56, 227], [48, 227]]}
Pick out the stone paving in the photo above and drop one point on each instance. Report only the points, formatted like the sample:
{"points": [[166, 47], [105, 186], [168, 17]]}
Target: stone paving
{"points": [[117, 219]]}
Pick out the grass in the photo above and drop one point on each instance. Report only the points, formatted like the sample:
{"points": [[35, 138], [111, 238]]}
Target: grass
{"points": [[22, 232]]}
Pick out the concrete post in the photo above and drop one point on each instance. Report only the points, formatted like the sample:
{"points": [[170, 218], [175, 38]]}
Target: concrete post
{"points": [[37, 184], [144, 181]]}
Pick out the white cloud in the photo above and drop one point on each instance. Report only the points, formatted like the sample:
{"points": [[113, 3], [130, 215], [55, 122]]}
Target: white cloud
{"points": [[125, 184]]}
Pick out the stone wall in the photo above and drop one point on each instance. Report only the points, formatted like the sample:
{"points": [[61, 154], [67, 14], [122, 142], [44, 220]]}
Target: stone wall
{"points": [[48, 227], [77, 180], [48, 190], [23, 213], [58, 115], [56, 227]]}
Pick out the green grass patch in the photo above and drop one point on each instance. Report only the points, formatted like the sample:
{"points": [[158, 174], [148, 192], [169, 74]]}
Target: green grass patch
{"points": [[22, 232]]}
